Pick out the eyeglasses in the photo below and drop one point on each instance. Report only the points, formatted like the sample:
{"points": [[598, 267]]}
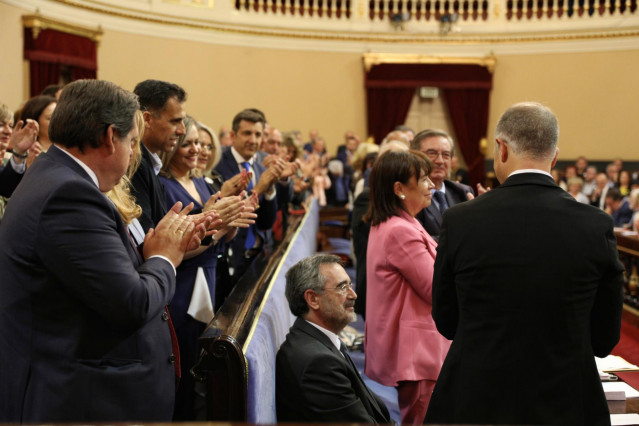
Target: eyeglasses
{"points": [[341, 288], [433, 154]]}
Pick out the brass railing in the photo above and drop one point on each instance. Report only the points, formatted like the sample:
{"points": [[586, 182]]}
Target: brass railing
{"points": [[540, 9], [445, 11], [335, 9]]}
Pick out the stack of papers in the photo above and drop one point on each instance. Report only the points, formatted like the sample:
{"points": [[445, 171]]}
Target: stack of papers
{"points": [[624, 419], [619, 391], [614, 363]]}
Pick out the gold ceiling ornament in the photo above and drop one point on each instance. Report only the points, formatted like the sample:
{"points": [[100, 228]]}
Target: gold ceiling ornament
{"points": [[37, 23], [483, 146], [371, 59], [195, 3]]}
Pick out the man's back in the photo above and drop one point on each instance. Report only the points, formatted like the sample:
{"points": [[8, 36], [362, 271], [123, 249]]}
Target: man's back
{"points": [[527, 311], [81, 333]]}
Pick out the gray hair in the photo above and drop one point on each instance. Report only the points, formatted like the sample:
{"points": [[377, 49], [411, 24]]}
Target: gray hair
{"points": [[530, 129], [431, 133], [5, 113], [305, 275], [87, 108]]}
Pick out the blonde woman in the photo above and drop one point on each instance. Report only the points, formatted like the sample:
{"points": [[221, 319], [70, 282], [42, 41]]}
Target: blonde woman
{"points": [[121, 193], [193, 303]]}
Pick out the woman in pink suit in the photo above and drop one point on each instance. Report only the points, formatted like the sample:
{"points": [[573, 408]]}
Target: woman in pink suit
{"points": [[403, 347]]}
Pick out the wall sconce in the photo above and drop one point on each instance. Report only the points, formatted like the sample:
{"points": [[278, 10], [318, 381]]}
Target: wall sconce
{"points": [[447, 23], [399, 19]]}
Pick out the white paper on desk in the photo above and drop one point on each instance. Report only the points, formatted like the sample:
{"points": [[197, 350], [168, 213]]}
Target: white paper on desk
{"points": [[624, 419], [614, 363], [620, 387]]}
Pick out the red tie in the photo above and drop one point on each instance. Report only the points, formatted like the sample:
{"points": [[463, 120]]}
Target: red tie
{"points": [[175, 356]]}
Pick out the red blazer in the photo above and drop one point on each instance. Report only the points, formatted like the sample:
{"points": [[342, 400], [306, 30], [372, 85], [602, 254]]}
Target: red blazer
{"points": [[402, 342]]}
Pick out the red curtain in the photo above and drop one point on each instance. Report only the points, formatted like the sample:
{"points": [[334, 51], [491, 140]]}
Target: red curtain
{"points": [[51, 49], [468, 110], [467, 92], [43, 74], [387, 107]]}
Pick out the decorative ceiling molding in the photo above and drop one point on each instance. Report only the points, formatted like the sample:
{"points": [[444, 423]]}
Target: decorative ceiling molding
{"points": [[37, 23], [163, 18], [372, 59]]}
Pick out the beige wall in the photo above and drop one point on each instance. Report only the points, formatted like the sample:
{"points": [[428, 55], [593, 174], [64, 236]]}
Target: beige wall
{"points": [[14, 81], [594, 94], [296, 90]]}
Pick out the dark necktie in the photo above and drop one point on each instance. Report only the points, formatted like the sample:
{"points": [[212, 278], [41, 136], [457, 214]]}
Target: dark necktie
{"points": [[349, 360], [344, 351], [440, 197]]}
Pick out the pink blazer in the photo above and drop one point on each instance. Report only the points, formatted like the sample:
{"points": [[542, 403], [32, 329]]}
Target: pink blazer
{"points": [[401, 342]]}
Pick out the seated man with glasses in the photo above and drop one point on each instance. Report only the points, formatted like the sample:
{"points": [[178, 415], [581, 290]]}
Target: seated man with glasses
{"points": [[438, 147], [316, 380]]}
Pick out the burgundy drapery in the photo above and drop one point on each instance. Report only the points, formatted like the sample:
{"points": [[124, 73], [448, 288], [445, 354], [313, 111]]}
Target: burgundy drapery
{"points": [[467, 92], [51, 49]]}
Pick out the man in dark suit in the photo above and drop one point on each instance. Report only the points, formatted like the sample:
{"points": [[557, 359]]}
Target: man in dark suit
{"points": [[83, 332], [246, 134], [162, 104], [316, 380], [345, 152], [438, 146], [528, 285]]}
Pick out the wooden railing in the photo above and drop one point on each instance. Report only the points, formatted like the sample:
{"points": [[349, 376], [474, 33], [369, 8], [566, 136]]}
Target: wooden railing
{"points": [[540, 9], [628, 247], [223, 367], [336, 9], [443, 11]]}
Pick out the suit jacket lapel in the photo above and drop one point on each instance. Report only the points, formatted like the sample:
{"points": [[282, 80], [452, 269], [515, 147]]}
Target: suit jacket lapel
{"points": [[230, 162], [307, 328], [56, 154], [434, 213]]}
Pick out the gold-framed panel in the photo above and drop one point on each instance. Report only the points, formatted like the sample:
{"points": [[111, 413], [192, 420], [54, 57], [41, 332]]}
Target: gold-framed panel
{"points": [[37, 23], [372, 59]]}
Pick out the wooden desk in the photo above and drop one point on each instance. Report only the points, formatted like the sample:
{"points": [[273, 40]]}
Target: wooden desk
{"points": [[628, 248]]}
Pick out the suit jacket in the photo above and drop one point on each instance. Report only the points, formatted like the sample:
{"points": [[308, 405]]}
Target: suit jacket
{"points": [[9, 180], [431, 218], [360, 231], [402, 342], [342, 154], [315, 383], [82, 335], [528, 284], [266, 214], [148, 192]]}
